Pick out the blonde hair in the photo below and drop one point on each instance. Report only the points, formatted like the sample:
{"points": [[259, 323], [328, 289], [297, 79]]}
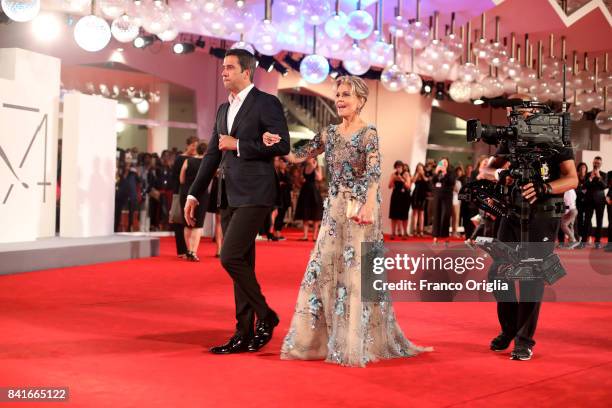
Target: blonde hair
{"points": [[358, 87]]}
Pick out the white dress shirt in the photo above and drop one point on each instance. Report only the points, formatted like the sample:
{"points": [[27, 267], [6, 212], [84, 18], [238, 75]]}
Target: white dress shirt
{"points": [[235, 103]]}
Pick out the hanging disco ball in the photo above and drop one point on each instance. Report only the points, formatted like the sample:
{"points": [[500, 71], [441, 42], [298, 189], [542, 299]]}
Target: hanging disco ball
{"points": [[454, 46], [335, 26], [512, 68], [21, 10], [246, 19], [357, 60], [333, 48], [413, 83], [290, 7], [124, 29], [476, 90], [468, 72], [293, 33], [460, 91], [603, 120], [418, 35], [314, 68], [398, 27], [75, 6], [157, 18], [112, 8], [215, 23], [497, 54], [393, 78], [210, 6], [510, 85], [137, 9], [480, 49], [316, 12], [551, 67], [442, 71], [575, 112], [587, 80], [360, 25], [243, 46], [492, 87], [265, 38], [169, 35], [381, 54], [92, 33], [528, 77]]}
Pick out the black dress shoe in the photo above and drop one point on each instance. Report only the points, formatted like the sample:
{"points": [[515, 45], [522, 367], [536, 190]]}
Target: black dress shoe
{"points": [[263, 332], [237, 344], [501, 342]]}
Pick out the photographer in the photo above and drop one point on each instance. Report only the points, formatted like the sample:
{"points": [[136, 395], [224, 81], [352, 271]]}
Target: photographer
{"points": [[518, 318], [595, 184]]}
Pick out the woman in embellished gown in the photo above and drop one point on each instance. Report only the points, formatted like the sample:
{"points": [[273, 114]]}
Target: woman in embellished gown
{"points": [[330, 321]]}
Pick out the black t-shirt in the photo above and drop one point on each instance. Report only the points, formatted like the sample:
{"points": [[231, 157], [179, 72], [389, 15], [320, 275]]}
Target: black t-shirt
{"points": [[550, 169]]}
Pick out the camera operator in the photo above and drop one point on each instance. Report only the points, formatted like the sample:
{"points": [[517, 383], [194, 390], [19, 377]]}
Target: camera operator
{"points": [[518, 318]]}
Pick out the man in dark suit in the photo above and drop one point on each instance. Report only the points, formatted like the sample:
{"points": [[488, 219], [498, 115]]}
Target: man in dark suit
{"points": [[609, 202], [595, 185], [247, 191]]}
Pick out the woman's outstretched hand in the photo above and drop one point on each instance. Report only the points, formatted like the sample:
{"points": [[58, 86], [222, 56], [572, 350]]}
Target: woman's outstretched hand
{"points": [[270, 139]]}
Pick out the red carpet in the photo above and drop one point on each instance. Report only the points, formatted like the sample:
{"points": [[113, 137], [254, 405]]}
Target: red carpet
{"points": [[134, 334]]}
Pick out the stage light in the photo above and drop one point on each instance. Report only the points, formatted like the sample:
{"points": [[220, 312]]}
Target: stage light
{"points": [[143, 41], [217, 52], [281, 68], [440, 91], [478, 101], [240, 3], [200, 43], [46, 27], [427, 88], [333, 74], [183, 48], [266, 62]]}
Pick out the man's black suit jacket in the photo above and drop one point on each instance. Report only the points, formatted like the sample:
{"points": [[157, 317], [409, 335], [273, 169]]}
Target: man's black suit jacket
{"points": [[249, 180]]}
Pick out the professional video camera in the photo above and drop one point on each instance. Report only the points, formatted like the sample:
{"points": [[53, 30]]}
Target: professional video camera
{"points": [[533, 125], [535, 133]]}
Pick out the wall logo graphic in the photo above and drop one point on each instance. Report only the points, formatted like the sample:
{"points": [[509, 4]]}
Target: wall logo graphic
{"points": [[15, 164]]}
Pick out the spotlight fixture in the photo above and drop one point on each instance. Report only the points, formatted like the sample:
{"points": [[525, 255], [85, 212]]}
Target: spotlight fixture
{"points": [[183, 48], [143, 41], [217, 52], [427, 88], [266, 62], [293, 64], [281, 68], [478, 101], [440, 91], [200, 43], [240, 3]]}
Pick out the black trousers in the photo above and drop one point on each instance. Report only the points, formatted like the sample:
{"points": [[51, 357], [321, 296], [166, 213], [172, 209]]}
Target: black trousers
{"points": [[518, 318], [598, 209], [120, 203], [442, 209], [179, 238], [279, 222], [467, 212], [240, 226]]}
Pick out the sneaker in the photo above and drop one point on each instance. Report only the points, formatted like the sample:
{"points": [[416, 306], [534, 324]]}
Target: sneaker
{"points": [[574, 245], [501, 342], [521, 352]]}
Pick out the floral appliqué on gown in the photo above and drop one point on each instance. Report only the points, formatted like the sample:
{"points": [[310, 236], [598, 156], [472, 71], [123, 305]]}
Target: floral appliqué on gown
{"points": [[330, 321]]}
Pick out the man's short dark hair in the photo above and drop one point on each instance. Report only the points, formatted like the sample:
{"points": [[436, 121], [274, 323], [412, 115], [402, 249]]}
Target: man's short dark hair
{"points": [[598, 158], [201, 149], [245, 59], [191, 140]]}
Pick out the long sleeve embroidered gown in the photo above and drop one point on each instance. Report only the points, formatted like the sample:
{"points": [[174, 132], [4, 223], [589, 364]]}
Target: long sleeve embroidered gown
{"points": [[330, 321]]}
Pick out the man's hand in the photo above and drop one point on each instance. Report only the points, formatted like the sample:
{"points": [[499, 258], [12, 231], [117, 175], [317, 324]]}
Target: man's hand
{"points": [[227, 142], [189, 211], [531, 192], [270, 139]]}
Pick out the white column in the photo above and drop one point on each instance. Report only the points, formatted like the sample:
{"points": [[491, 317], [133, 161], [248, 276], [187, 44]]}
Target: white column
{"points": [[89, 144], [157, 138], [29, 107]]}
